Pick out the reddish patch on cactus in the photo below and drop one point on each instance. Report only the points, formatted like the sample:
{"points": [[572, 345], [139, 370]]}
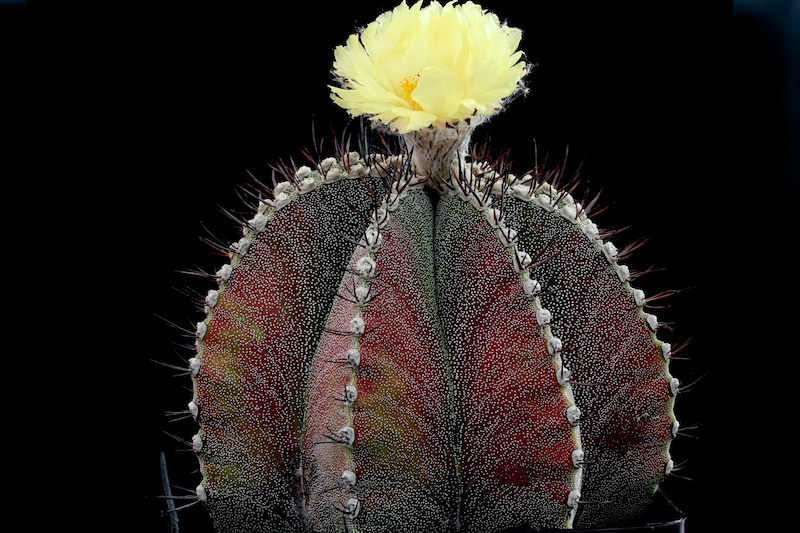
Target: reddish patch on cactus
{"points": [[621, 378], [517, 442], [402, 421]]}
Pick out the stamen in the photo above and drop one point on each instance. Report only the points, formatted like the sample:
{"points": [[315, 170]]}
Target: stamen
{"points": [[408, 85]]}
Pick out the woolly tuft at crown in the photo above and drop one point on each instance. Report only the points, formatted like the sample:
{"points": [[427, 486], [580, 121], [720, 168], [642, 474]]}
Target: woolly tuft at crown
{"points": [[411, 336]]}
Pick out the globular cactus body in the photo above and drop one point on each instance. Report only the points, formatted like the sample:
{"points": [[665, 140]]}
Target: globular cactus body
{"points": [[380, 356], [411, 341]]}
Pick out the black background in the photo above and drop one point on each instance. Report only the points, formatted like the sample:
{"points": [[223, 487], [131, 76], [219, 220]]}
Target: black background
{"points": [[152, 113]]}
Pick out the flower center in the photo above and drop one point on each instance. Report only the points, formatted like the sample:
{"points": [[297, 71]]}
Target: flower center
{"points": [[408, 85]]}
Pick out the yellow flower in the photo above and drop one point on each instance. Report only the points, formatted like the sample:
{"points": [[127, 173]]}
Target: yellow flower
{"points": [[416, 67]]}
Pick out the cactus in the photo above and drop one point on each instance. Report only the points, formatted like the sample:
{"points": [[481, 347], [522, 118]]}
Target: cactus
{"points": [[410, 339]]}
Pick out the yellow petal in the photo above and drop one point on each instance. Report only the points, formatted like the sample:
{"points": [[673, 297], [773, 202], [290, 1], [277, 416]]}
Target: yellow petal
{"points": [[417, 67], [438, 91]]}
